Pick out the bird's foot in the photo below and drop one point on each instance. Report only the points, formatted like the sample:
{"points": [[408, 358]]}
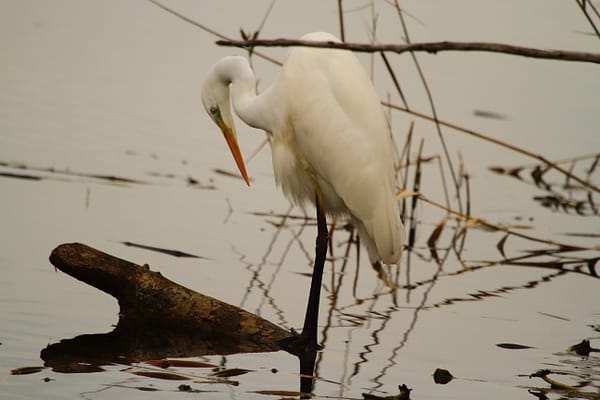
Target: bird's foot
{"points": [[299, 344]]}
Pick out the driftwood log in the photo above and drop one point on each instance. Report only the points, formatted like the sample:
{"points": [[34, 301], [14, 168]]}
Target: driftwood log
{"points": [[158, 318]]}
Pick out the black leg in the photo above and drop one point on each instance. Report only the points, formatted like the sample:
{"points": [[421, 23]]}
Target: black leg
{"points": [[306, 342], [311, 319], [307, 368]]}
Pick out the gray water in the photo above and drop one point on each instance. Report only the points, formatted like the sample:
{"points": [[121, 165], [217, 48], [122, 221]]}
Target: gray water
{"points": [[112, 88]]}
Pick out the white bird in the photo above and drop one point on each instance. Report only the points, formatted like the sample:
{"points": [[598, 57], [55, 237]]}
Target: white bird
{"points": [[330, 141]]}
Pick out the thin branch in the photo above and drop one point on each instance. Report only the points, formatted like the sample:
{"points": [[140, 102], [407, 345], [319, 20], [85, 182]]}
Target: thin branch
{"points": [[254, 35], [264, 20], [582, 5], [341, 18], [471, 221], [432, 106], [207, 29], [394, 79], [429, 47], [189, 20], [528, 153]]}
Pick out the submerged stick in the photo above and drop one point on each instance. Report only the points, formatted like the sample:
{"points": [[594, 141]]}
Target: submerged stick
{"points": [[147, 298]]}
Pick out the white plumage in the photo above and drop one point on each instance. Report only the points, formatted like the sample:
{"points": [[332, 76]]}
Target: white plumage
{"points": [[328, 134]]}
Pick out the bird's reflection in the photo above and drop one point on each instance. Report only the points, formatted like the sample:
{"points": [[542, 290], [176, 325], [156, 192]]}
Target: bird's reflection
{"points": [[416, 288]]}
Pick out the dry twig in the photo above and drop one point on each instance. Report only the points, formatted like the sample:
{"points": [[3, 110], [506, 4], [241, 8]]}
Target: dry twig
{"points": [[428, 47]]}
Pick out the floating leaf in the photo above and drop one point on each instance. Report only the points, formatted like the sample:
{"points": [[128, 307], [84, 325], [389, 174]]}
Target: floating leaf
{"points": [[174, 253], [498, 170], [554, 316], [513, 346], [403, 395], [488, 114], [583, 348], [20, 176], [145, 389], [166, 363], [595, 327], [226, 373], [140, 388], [112, 178], [26, 370], [284, 393], [442, 376], [170, 376], [227, 173]]}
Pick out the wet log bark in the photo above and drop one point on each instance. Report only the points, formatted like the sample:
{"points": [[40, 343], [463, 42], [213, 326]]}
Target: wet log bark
{"points": [[148, 299]]}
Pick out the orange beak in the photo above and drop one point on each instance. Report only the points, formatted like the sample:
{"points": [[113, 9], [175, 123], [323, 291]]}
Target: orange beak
{"points": [[235, 150]]}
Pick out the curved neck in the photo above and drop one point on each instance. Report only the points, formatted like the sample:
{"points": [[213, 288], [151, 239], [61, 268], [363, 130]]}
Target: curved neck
{"points": [[252, 109]]}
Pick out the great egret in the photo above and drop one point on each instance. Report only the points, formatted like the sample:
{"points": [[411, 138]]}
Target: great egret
{"points": [[330, 144]]}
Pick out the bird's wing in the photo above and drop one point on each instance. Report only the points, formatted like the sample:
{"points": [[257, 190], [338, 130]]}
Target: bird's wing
{"points": [[341, 131]]}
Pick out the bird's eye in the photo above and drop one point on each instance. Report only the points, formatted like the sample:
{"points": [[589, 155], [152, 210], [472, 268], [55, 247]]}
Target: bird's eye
{"points": [[214, 110]]}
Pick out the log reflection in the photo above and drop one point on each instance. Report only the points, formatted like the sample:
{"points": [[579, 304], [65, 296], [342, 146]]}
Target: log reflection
{"points": [[133, 343]]}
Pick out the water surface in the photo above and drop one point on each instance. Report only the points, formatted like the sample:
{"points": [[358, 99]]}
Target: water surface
{"points": [[112, 88]]}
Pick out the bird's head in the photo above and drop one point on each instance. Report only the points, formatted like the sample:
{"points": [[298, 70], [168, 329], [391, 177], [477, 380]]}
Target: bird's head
{"points": [[215, 98]]}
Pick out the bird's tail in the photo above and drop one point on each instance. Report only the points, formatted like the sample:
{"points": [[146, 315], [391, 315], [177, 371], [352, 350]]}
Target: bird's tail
{"points": [[387, 228]]}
